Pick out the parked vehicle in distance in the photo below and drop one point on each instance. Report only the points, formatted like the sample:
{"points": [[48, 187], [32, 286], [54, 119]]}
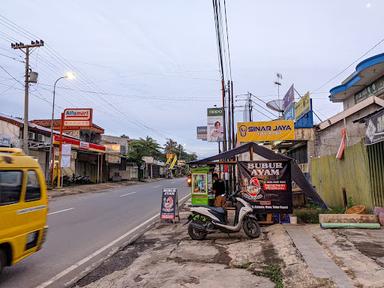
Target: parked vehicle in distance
{"points": [[23, 206]]}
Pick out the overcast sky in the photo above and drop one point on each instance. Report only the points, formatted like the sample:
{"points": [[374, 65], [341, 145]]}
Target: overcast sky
{"points": [[155, 62]]}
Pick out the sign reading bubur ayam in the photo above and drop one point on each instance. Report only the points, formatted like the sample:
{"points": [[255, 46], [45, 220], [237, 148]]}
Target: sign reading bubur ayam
{"points": [[266, 185]]}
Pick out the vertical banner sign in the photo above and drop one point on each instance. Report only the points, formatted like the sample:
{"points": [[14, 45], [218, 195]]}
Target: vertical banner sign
{"points": [[266, 185], [303, 106], [202, 133], [169, 204], [66, 156], [289, 97], [215, 132]]}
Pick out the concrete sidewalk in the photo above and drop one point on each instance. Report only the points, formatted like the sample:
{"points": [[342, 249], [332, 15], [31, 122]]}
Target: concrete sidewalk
{"points": [[165, 256], [320, 264]]}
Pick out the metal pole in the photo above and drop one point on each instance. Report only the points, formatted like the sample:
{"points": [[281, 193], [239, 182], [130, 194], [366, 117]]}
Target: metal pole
{"points": [[229, 116], [224, 119], [60, 151], [233, 117], [26, 102], [250, 106], [50, 172]]}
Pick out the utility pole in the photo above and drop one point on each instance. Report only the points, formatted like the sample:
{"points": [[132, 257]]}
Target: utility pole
{"points": [[233, 116], [229, 116], [250, 106], [224, 118], [25, 48]]}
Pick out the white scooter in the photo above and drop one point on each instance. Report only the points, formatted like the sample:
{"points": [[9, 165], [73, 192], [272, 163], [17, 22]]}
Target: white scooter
{"points": [[204, 220]]}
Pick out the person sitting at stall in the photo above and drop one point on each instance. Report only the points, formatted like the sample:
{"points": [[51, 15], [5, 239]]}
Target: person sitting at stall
{"points": [[219, 188]]}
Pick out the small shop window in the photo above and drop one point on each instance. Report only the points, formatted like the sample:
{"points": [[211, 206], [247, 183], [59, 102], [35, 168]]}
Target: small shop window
{"points": [[10, 187], [33, 187]]}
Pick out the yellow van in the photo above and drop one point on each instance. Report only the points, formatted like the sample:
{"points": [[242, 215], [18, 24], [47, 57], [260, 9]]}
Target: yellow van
{"points": [[23, 206]]}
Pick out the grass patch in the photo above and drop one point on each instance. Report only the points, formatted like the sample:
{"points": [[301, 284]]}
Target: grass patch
{"points": [[273, 272], [310, 215]]}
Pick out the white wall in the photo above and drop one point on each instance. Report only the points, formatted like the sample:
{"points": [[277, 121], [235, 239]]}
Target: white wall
{"points": [[11, 131]]}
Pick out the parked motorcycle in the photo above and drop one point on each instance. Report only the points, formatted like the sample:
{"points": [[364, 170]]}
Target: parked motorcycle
{"points": [[205, 220]]}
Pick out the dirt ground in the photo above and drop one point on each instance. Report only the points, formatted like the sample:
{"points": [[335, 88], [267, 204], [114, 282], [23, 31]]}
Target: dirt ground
{"points": [[165, 256]]}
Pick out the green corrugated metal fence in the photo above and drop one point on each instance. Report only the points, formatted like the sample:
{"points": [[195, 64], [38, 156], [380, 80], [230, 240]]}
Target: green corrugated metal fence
{"points": [[331, 177], [376, 171]]}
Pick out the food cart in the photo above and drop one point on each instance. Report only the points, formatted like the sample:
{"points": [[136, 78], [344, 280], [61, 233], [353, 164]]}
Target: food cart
{"points": [[202, 193]]}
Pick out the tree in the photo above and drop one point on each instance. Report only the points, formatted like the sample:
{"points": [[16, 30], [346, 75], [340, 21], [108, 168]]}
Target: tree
{"points": [[170, 146], [143, 147]]}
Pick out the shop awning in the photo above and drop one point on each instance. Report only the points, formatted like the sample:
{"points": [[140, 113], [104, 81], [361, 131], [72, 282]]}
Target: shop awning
{"points": [[86, 146], [268, 154]]}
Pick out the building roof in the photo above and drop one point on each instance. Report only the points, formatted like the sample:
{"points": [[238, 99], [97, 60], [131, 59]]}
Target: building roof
{"points": [[33, 127], [366, 72], [56, 125], [350, 111], [366, 117]]}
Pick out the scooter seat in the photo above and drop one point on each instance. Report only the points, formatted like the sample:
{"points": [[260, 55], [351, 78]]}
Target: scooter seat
{"points": [[220, 213], [220, 210]]}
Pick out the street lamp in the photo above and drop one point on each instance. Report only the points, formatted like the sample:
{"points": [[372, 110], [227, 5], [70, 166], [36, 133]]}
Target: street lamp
{"points": [[69, 76]]}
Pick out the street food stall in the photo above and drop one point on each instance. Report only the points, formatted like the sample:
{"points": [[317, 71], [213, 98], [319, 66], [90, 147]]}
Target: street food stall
{"points": [[266, 184]]}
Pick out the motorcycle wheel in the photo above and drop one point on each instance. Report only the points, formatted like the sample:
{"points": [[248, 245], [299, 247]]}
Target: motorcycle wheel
{"points": [[251, 227], [196, 234]]}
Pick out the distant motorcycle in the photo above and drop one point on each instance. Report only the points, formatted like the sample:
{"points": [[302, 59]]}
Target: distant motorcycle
{"points": [[205, 220], [189, 180]]}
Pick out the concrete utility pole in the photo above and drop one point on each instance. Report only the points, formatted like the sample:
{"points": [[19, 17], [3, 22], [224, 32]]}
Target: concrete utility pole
{"points": [[25, 48], [250, 106]]}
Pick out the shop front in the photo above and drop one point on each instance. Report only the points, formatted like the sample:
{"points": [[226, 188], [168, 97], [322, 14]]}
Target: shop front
{"points": [[86, 159]]}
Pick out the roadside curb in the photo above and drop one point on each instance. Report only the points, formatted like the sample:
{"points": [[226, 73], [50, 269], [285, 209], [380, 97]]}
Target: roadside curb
{"points": [[136, 235]]}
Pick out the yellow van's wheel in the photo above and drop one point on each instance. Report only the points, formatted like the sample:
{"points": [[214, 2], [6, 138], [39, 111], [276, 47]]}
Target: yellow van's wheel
{"points": [[3, 260]]}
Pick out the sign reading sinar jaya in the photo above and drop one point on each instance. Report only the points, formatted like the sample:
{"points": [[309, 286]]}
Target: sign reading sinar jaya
{"points": [[265, 131]]}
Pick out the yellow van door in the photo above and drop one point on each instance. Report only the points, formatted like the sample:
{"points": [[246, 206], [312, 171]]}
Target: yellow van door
{"points": [[33, 211], [11, 182]]}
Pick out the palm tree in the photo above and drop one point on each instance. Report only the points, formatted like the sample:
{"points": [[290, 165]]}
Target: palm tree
{"points": [[170, 146]]}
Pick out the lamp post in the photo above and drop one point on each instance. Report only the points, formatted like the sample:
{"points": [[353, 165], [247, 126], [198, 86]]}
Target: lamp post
{"points": [[70, 76]]}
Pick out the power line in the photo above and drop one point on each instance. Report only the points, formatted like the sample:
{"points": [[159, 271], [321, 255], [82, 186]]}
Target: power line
{"points": [[229, 51], [13, 77], [10, 57], [346, 68], [16, 28]]}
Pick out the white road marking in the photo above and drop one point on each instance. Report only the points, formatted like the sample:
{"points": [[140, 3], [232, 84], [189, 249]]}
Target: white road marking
{"points": [[60, 211], [97, 252], [130, 193]]}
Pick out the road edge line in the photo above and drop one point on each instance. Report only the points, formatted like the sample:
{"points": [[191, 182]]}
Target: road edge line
{"points": [[148, 223]]}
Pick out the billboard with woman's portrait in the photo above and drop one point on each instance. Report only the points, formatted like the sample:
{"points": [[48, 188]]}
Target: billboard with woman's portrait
{"points": [[215, 131]]}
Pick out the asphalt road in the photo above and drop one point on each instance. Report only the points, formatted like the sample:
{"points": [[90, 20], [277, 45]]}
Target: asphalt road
{"points": [[81, 226]]}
